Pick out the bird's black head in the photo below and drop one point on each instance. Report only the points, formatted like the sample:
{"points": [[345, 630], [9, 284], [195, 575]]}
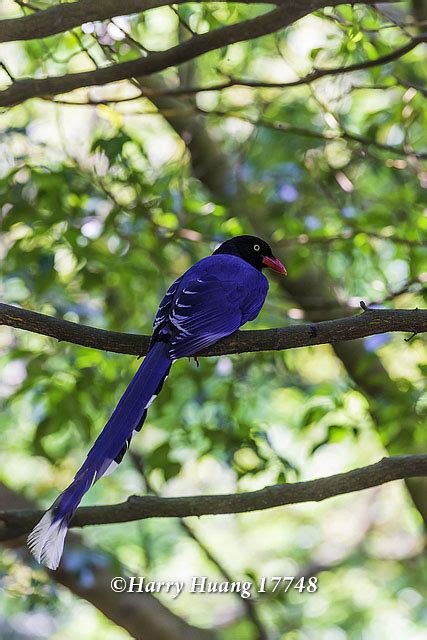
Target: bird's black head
{"points": [[254, 250]]}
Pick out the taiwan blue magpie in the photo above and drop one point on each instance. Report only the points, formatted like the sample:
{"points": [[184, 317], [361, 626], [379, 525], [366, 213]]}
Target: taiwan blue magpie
{"points": [[213, 299]]}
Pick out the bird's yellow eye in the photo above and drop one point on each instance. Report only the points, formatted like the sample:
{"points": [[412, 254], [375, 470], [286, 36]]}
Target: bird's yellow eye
{"points": [[257, 247]]}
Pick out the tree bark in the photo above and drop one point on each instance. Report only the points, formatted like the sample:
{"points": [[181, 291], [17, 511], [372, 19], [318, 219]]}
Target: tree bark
{"points": [[15, 522]]}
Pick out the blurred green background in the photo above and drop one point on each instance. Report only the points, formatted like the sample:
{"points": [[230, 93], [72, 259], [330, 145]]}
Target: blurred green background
{"points": [[103, 205]]}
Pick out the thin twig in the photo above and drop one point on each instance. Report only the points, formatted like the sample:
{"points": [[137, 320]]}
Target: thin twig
{"points": [[304, 238], [319, 135]]}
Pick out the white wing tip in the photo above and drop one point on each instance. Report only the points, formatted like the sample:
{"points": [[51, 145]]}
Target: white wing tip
{"points": [[46, 540]]}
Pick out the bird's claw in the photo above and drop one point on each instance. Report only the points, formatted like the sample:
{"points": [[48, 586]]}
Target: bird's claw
{"points": [[414, 333]]}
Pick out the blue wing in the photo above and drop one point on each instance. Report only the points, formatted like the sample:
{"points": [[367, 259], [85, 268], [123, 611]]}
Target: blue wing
{"points": [[160, 322], [212, 300]]}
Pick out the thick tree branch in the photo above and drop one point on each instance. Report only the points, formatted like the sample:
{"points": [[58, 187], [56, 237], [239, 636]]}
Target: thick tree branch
{"points": [[272, 21], [62, 17], [369, 323], [15, 523]]}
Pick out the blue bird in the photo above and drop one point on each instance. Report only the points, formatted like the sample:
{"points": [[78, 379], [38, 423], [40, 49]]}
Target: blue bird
{"points": [[213, 299]]}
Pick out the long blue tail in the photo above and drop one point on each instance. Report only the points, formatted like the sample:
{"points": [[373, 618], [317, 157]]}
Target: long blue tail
{"points": [[46, 541]]}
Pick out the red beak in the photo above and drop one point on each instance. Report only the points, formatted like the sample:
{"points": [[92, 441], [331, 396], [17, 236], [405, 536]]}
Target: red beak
{"points": [[275, 265]]}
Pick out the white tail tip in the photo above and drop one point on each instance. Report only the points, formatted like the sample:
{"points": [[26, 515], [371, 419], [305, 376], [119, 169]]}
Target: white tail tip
{"points": [[46, 540]]}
